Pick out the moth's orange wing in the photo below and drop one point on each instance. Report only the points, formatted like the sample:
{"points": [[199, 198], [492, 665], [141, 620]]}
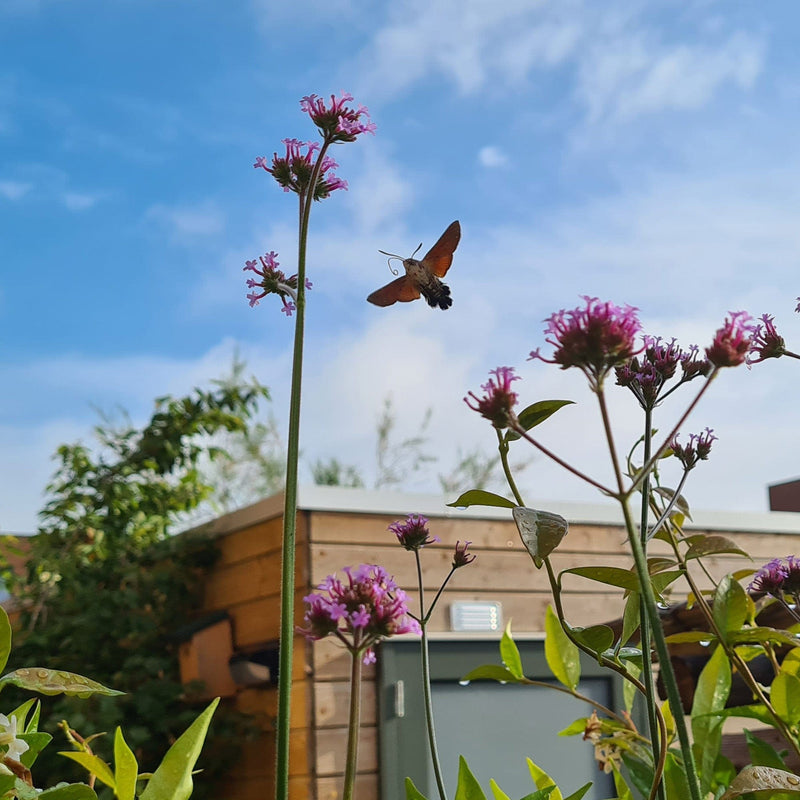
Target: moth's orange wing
{"points": [[400, 289], [440, 256]]}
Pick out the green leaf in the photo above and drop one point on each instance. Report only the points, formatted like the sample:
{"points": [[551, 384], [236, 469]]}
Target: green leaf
{"points": [[791, 662], [510, 653], [579, 793], [412, 793], [756, 779], [541, 532], [36, 741], [785, 697], [762, 754], [612, 576], [621, 785], [173, 778], [755, 711], [574, 728], [630, 617], [491, 672], [93, 764], [498, 793], [535, 414], [55, 681], [761, 634], [707, 544], [543, 780], [563, 656], [468, 788], [713, 688], [690, 637], [479, 497], [126, 769], [5, 638], [730, 605], [629, 690], [598, 638], [71, 791]]}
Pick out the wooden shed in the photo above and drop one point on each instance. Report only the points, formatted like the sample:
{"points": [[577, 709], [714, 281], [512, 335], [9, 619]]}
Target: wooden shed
{"points": [[234, 646]]}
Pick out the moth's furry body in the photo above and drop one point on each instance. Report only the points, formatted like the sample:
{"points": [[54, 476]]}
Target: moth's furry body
{"points": [[435, 292]]}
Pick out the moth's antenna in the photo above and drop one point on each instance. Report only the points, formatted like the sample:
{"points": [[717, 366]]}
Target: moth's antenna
{"points": [[419, 246], [389, 262]]}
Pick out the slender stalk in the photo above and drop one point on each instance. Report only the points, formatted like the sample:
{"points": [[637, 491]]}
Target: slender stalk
{"points": [[426, 682], [289, 543], [353, 727], [502, 446]]}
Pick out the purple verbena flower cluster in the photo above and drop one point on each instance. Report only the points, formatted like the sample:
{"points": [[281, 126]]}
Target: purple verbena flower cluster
{"points": [[461, 557], [595, 338], [293, 171], [412, 532], [779, 577], [732, 341], [498, 401], [360, 610], [339, 122], [766, 342], [698, 448], [272, 281], [647, 376]]}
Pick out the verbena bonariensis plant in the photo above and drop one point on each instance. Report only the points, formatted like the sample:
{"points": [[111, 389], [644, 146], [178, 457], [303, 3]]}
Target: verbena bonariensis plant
{"points": [[307, 170]]}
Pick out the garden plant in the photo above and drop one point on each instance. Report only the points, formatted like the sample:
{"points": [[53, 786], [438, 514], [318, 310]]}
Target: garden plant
{"points": [[678, 755]]}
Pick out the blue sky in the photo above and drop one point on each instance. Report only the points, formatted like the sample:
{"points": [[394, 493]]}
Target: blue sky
{"points": [[642, 152]]}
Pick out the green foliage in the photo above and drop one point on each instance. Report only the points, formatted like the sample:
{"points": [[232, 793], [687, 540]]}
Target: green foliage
{"points": [[106, 585]]}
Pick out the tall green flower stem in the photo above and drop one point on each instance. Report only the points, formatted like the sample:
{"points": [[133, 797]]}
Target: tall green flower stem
{"points": [[426, 673], [353, 727], [649, 604], [289, 545]]}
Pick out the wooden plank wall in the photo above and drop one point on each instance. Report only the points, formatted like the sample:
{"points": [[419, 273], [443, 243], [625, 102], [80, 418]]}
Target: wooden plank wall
{"points": [[245, 582], [503, 571]]}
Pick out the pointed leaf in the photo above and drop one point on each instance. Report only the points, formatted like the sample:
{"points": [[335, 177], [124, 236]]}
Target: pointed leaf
{"points": [[703, 544], [756, 779], [491, 672], [468, 788], [762, 754], [543, 780], [730, 605], [5, 638], [598, 638], [577, 795], [541, 532], [785, 697], [479, 497], [72, 791], [173, 778], [412, 793], [562, 655], [498, 793], [612, 576], [126, 768], [93, 764], [55, 681], [535, 414], [630, 618], [510, 654]]}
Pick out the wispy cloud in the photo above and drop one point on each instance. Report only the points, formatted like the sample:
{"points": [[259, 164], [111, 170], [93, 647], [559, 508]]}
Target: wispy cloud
{"points": [[184, 224], [14, 190], [491, 156], [79, 201]]}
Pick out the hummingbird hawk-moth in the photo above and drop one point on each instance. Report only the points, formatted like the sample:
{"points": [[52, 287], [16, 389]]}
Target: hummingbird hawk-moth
{"points": [[422, 277]]}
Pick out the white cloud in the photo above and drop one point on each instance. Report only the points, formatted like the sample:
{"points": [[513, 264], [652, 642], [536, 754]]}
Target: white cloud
{"points": [[184, 224], [14, 190], [491, 156], [79, 201]]}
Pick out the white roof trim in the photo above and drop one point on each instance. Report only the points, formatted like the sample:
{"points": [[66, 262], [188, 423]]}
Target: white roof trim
{"points": [[390, 503]]}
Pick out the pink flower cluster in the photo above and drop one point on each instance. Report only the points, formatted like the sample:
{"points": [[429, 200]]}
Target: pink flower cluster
{"points": [[339, 122], [732, 341], [412, 532], [293, 171], [498, 401], [360, 610], [595, 338], [766, 342], [778, 577], [272, 281], [697, 449]]}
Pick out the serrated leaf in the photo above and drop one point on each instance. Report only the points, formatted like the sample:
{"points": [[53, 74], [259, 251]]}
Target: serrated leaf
{"points": [[479, 497], [756, 779], [173, 778], [703, 544], [541, 532], [491, 672], [468, 787], [535, 414], [126, 768], [55, 681], [412, 793], [562, 655], [93, 765], [510, 653]]}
